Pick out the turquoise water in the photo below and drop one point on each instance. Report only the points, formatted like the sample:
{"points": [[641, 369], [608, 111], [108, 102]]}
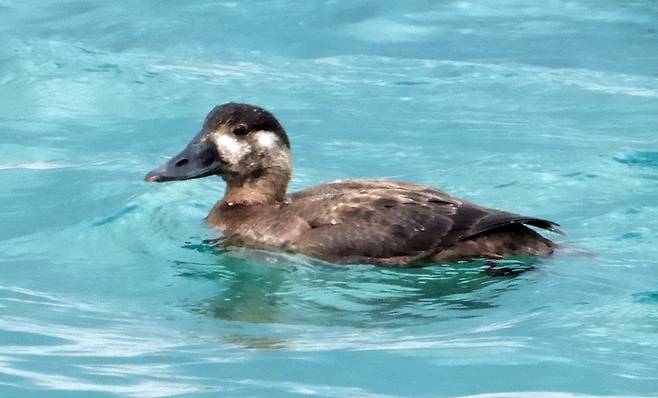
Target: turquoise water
{"points": [[107, 288]]}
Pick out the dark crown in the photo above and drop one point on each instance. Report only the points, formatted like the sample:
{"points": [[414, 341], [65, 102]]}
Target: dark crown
{"points": [[254, 117]]}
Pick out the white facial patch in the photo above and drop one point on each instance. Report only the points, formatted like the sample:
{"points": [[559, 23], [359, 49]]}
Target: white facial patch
{"points": [[278, 155], [266, 139], [230, 148]]}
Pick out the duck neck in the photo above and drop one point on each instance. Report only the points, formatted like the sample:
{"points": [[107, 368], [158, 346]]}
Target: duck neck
{"points": [[267, 187]]}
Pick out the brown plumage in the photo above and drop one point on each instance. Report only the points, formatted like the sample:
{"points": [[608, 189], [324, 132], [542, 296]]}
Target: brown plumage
{"points": [[361, 221]]}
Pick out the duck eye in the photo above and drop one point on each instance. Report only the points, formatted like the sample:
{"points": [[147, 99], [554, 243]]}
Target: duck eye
{"points": [[240, 129]]}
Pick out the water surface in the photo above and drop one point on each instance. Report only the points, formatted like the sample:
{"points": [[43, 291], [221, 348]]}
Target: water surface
{"points": [[106, 286]]}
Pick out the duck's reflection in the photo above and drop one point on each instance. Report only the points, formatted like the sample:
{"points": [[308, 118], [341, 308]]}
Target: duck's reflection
{"points": [[263, 287]]}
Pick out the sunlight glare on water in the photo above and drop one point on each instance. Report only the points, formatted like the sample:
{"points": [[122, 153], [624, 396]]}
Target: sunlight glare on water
{"points": [[542, 108]]}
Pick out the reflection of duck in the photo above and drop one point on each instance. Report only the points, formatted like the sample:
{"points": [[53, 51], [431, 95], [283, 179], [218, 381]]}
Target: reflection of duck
{"points": [[324, 295], [367, 221]]}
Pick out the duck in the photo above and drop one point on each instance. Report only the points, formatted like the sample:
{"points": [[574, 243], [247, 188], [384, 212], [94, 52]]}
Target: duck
{"points": [[370, 221]]}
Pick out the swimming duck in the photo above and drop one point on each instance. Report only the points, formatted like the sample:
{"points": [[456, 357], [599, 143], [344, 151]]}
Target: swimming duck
{"points": [[379, 222]]}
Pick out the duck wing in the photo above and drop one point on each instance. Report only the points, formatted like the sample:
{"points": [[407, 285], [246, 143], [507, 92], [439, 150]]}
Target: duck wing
{"points": [[390, 223]]}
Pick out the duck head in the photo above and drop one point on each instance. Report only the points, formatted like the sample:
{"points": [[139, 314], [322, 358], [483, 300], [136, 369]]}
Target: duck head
{"points": [[244, 144]]}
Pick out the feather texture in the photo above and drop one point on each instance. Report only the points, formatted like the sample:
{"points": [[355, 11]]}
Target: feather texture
{"points": [[380, 222]]}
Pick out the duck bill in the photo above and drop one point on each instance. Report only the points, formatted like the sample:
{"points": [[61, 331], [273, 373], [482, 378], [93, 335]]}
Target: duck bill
{"points": [[198, 159]]}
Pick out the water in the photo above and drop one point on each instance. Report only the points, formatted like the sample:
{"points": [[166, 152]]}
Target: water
{"points": [[544, 108]]}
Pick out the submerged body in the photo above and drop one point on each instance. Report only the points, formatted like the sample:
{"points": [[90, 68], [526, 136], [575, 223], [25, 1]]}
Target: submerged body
{"points": [[362, 221]]}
